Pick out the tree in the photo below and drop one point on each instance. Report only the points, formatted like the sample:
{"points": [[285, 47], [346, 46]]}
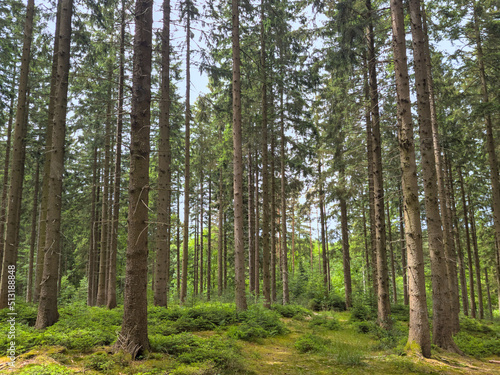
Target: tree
{"points": [[164, 171], [47, 308], [133, 337], [419, 324], [239, 250]]}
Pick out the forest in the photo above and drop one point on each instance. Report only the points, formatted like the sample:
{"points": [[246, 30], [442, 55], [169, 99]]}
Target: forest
{"points": [[249, 187]]}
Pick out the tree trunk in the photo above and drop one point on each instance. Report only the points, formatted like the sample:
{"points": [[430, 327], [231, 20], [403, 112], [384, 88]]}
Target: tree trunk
{"points": [[477, 265], [419, 326], [178, 236], [490, 140], [209, 242], [403, 251], [46, 165], [104, 255], [449, 249], [293, 236], [488, 293], [133, 338], [164, 171], [461, 264], [345, 252], [185, 243], [256, 254], [251, 224], [29, 292], [323, 234], [441, 294], [91, 290], [239, 249], [47, 308], [219, 235], [201, 233], [273, 220], [391, 252], [5, 185], [469, 250], [17, 168]]}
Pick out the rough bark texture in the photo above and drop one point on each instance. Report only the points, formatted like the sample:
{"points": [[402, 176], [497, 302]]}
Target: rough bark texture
{"points": [[251, 224], [345, 252], [419, 325], [113, 247], [209, 242], [404, 264], [239, 248], [284, 251], [477, 264], [164, 171], [18, 158], [47, 308], [391, 253], [133, 337], [185, 236], [256, 252], [273, 219], [91, 290], [490, 140], [29, 291]]}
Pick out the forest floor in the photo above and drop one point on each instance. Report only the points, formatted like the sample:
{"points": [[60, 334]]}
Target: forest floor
{"points": [[319, 343]]}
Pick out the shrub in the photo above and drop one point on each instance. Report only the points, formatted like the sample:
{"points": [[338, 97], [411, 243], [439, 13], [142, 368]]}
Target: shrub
{"points": [[48, 369], [361, 313], [247, 332], [478, 346], [328, 323], [346, 354], [291, 311], [258, 316], [400, 312], [99, 362], [311, 343]]}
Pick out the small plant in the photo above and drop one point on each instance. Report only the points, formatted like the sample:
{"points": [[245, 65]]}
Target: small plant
{"points": [[346, 354], [291, 311], [324, 322], [48, 369], [361, 313], [99, 361], [311, 343]]}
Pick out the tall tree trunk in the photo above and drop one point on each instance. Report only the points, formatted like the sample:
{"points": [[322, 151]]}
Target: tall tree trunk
{"points": [[490, 140], [164, 171], [345, 254], [488, 293], [29, 291], [477, 264], [17, 168], [449, 249], [458, 243], [46, 165], [469, 250], [419, 325], [219, 234], [251, 223], [103, 263], [239, 249], [403, 251], [209, 241], [201, 233], [284, 250], [441, 294], [293, 236], [384, 307], [5, 185], [47, 308], [256, 254], [178, 236], [273, 220], [391, 253], [92, 287], [323, 234], [225, 255], [113, 248], [185, 242], [133, 337]]}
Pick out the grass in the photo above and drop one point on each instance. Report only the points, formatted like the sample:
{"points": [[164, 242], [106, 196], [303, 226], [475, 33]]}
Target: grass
{"points": [[216, 339]]}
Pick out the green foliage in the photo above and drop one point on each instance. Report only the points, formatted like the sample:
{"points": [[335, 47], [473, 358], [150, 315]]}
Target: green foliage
{"points": [[268, 320], [99, 361], [48, 369], [477, 339], [361, 313], [26, 313], [291, 311], [247, 332], [400, 312], [311, 343], [330, 323], [188, 349], [347, 354]]}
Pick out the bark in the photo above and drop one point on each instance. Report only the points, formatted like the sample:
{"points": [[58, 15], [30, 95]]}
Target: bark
{"points": [[345, 252], [441, 294], [164, 171], [5, 185], [488, 293], [293, 236], [219, 234], [469, 250], [185, 236], [391, 252], [113, 248], [201, 232], [256, 254], [419, 325], [29, 292], [449, 249], [251, 224], [17, 168], [178, 236], [477, 264], [104, 255], [209, 242], [133, 338], [239, 249], [46, 165], [403, 252], [273, 220], [47, 308], [225, 254], [490, 140], [91, 290], [323, 234], [460, 255]]}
